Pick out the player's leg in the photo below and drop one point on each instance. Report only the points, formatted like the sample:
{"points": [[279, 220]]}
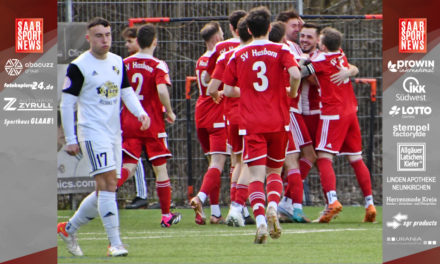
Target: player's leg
{"points": [[140, 201]]}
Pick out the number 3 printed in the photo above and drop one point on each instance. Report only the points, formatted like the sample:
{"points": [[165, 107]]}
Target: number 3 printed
{"points": [[261, 68]]}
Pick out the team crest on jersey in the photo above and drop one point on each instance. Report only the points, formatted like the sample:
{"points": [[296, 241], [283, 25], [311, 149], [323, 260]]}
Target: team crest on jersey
{"points": [[116, 69], [108, 90]]}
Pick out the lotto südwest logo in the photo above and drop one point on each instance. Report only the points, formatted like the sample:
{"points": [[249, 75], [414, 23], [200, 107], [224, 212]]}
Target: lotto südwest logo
{"points": [[29, 35], [412, 35]]}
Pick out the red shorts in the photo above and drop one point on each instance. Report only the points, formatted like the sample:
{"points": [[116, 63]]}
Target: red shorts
{"points": [[311, 122], [299, 131], [341, 136], [234, 139], [212, 140], [292, 145], [156, 149], [258, 147]]}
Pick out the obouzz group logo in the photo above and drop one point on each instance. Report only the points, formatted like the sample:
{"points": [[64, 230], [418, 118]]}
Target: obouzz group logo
{"points": [[13, 67]]}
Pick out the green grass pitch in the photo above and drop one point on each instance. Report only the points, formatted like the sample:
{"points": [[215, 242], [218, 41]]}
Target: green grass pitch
{"points": [[345, 240]]}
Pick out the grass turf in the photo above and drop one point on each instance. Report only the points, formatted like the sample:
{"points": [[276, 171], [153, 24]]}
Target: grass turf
{"points": [[345, 240]]}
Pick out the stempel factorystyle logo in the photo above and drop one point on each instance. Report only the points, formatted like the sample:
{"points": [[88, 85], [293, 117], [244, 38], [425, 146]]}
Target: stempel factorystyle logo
{"points": [[412, 35], [29, 35], [411, 66], [414, 91]]}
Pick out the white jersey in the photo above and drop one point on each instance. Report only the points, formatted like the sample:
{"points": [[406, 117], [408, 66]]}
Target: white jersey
{"points": [[97, 84]]}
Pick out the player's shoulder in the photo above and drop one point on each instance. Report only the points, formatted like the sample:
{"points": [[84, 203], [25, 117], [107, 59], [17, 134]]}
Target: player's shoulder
{"points": [[319, 57], [226, 44]]}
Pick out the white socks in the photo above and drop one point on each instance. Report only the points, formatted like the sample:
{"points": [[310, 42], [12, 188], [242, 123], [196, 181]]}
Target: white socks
{"points": [[215, 210], [108, 210], [332, 197], [88, 209], [368, 200], [202, 196]]}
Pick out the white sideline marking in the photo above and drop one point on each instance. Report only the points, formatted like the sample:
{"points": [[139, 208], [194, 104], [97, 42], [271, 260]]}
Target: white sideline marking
{"points": [[226, 233]]}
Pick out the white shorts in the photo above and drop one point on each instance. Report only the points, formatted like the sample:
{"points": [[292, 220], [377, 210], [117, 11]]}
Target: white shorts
{"points": [[102, 156]]}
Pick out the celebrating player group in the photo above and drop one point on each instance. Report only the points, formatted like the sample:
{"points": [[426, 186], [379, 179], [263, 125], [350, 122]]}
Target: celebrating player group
{"points": [[276, 98]]}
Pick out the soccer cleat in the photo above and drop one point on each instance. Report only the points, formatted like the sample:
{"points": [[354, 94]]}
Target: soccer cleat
{"points": [[214, 220], [117, 251], [174, 218], [248, 220], [70, 240], [370, 214], [137, 203], [235, 218], [284, 215], [299, 216], [196, 204], [330, 212], [261, 235], [272, 223]]}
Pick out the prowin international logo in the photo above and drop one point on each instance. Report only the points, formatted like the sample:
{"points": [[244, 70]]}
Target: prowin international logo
{"points": [[414, 91], [411, 66], [13, 67], [410, 111]]}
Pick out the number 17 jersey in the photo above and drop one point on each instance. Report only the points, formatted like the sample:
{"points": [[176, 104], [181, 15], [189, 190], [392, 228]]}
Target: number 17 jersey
{"points": [[257, 69]]}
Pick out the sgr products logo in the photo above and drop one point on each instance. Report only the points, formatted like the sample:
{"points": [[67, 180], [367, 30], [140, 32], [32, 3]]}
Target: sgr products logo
{"points": [[415, 92], [410, 111], [12, 104], [29, 35], [13, 67], [411, 66], [411, 157], [412, 35]]}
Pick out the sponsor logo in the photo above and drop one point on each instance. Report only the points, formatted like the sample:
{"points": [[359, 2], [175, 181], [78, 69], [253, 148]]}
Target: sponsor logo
{"points": [[32, 86], [415, 92], [411, 66], [412, 35], [411, 157], [402, 220], [13, 67], [12, 104], [417, 200], [411, 131], [410, 111], [31, 121], [29, 35]]}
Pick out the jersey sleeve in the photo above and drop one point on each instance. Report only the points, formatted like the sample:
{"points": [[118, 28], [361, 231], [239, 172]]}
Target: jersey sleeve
{"points": [[230, 74], [219, 68], [162, 76], [74, 80], [212, 61], [125, 83], [287, 58]]}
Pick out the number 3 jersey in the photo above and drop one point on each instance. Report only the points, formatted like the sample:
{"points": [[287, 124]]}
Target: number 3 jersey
{"points": [[97, 84], [257, 69], [144, 73]]}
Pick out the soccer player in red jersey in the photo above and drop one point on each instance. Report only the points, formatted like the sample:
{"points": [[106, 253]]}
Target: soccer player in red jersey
{"points": [[239, 177], [149, 76], [293, 23], [211, 132], [338, 130], [253, 75], [290, 206]]}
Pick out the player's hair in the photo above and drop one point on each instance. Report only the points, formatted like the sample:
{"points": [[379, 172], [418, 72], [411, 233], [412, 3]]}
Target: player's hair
{"points": [[145, 35], [313, 25], [209, 30], [243, 32], [98, 21], [258, 21], [129, 32], [235, 16], [277, 32], [284, 16], [332, 38]]}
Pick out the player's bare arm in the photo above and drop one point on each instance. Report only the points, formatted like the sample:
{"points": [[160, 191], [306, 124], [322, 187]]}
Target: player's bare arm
{"points": [[164, 97], [295, 80], [213, 86], [231, 91], [344, 73]]}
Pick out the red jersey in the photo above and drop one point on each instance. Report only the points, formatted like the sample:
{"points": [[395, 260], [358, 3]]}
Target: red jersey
{"points": [[221, 47], [255, 68], [297, 52], [336, 100], [310, 98], [231, 104], [144, 73], [208, 114]]}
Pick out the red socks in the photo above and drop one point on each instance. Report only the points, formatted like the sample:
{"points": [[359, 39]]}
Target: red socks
{"points": [[363, 176], [163, 189], [305, 166], [211, 181], [257, 197], [295, 186], [274, 188], [327, 174], [242, 194], [124, 176]]}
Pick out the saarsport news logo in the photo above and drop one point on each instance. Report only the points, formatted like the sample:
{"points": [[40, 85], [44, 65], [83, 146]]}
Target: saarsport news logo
{"points": [[13, 67], [411, 66]]}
